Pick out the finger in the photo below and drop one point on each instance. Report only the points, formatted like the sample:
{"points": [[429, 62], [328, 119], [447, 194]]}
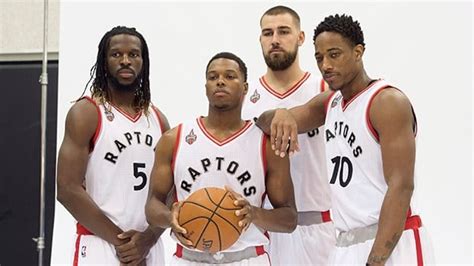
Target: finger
{"points": [[273, 134], [278, 139], [236, 196], [124, 247], [293, 141], [127, 234], [285, 138], [188, 243]]}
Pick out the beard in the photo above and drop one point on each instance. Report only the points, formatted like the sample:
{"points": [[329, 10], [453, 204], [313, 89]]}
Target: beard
{"points": [[281, 62], [124, 87]]}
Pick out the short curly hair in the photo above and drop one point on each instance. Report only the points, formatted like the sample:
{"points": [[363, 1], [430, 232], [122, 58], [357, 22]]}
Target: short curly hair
{"points": [[344, 25]]}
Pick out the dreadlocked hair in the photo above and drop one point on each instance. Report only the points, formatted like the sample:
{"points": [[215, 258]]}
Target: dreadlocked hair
{"points": [[98, 72], [343, 25]]}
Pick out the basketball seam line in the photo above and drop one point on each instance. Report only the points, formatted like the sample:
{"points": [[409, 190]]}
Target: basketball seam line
{"points": [[220, 216], [210, 218]]}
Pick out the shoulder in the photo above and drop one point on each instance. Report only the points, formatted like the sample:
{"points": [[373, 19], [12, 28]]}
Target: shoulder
{"points": [[390, 97], [82, 120], [165, 126]]}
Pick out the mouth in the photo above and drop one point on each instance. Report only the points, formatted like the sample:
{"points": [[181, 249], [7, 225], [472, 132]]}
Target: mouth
{"points": [[126, 73], [329, 77], [220, 92]]}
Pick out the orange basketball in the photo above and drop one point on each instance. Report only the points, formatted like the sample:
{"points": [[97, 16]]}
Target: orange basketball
{"points": [[208, 215]]}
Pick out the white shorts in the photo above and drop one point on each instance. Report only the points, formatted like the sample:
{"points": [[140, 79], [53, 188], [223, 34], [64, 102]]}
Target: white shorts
{"points": [[413, 248], [307, 245], [93, 250], [260, 260]]}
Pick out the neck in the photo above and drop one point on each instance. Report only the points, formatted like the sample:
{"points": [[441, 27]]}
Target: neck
{"points": [[223, 123], [283, 80], [358, 84]]}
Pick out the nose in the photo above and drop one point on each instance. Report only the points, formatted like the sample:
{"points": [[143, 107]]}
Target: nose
{"points": [[220, 81], [275, 39], [326, 65], [125, 60]]}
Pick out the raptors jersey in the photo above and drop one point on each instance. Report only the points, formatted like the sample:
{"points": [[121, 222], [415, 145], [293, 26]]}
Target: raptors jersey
{"points": [[354, 159], [120, 164], [308, 167], [239, 161]]}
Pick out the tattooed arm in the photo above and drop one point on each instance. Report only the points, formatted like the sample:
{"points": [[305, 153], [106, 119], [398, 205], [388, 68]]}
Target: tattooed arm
{"points": [[392, 117]]}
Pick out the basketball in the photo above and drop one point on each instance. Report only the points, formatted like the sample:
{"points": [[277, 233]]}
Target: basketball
{"points": [[208, 215]]}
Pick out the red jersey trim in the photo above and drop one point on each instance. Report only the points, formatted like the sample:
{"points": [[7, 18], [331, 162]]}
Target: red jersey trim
{"points": [[160, 121], [345, 104], [288, 92], [326, 104], [228, 139], [75, 262], [326, 216], [99, 124], [371, 128], [264, 154], [128, 116], [322, 86], [176, 147]]}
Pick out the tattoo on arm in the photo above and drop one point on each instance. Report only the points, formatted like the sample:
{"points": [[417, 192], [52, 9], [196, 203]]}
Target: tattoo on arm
{"points": [[389, 245]]}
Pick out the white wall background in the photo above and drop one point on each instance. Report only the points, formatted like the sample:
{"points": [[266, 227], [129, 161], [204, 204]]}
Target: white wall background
{"points": [[425, 48]]}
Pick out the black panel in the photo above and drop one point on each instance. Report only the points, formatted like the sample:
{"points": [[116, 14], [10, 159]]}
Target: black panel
{"points": [[21, 158]]}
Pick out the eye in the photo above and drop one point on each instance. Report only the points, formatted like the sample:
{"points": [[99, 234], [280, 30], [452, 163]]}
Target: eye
{"points": [[230, 76], [134, 55], [319, 59], [115, 54], [211, 77], [284, 32], [334, 54], [267, 33]]}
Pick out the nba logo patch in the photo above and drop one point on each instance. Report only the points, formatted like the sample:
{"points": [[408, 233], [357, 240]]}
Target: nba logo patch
{"points": [[191, 137], [255, 97], [110, 116], [83, 251]]}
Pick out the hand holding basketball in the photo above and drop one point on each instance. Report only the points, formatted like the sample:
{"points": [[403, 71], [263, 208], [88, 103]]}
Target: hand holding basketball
{"points": [[245, 211], [179, 231]]}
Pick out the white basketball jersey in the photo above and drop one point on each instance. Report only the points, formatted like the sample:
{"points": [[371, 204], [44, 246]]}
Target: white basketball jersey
{"points": [[354, 159], [120, 164], [308, 167], [239, 162]]}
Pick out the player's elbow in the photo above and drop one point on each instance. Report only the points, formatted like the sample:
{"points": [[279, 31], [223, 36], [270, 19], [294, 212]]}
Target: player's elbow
{"points": [[64, 193]]}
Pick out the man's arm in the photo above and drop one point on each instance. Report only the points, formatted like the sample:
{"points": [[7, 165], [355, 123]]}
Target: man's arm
{"points": [[81, 123], [279, 188], [391, 116], [284, 125], [158, 215]]}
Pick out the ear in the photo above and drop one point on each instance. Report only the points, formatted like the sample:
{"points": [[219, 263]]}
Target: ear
{"points": [[246, 88], [359, 51], [301, 38]]}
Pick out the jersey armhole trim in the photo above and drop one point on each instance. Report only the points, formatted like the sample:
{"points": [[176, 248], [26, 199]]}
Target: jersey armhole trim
{"points": [[322, 86], [326, 104], [176, 147], [99, 123], [371, 128], [160, 121]]}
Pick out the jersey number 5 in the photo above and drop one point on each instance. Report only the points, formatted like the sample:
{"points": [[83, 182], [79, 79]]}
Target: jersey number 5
{"points": [[139, 174], [340, 163]]}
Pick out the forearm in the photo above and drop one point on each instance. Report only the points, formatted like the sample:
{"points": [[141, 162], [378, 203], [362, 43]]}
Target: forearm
{"points": [[391, 223], [158, 215], [264, 121], [88, 214], [282, 219]]}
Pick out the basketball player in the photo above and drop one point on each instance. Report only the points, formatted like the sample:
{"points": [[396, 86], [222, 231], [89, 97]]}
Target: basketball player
{"points": [[222, 150], [285, 84], [107, 155], [370, 129]]}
